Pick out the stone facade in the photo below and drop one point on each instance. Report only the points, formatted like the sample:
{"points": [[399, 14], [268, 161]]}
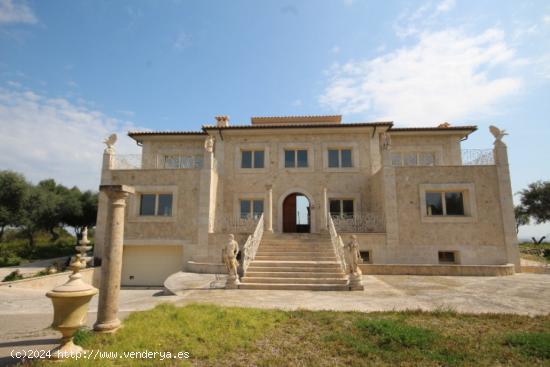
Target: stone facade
{"points": [[202, 171]]}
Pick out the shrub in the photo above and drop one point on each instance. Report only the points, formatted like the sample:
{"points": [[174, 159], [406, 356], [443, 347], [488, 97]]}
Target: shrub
{"points": [[14, 275], [531, 344]]}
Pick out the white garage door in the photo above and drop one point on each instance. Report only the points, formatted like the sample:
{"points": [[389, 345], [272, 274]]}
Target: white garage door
{"points": [[150, 265]]}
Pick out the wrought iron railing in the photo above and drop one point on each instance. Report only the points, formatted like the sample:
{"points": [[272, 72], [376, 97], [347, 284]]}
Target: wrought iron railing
{"points": [[477, 157], [337, 244], [242, 224], [361, 222], [127, 161], [251, 245]]}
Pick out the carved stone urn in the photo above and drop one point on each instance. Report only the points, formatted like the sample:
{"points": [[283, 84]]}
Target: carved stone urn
{"points": [[70, 305]]}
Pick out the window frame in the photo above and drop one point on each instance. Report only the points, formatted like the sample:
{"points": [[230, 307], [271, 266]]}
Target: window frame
{"points": [[308, 147], [341, 201], [296, 160], [417, 158], [134, 203], [468, 200], [156, 204], [252, 201], [253, 147], [340, 155], [253, 152]]}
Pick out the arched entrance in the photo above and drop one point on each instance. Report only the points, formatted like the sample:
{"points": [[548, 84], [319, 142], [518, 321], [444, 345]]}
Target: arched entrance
{"points": [[296, 214]]}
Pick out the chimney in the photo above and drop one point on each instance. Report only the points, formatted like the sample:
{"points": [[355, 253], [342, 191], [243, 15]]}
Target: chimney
{"points": [[222, 121]]}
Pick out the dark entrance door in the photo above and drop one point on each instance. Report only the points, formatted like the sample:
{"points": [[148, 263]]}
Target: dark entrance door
{"points": [[291, 213]]}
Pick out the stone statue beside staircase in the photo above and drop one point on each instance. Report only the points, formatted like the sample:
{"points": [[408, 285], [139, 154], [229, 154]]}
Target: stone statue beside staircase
{"points": [[229, 254], [353, 259]]}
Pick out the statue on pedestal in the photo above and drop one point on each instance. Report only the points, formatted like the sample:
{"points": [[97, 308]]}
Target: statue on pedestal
{"points": [[229, 254], [353, 259]]}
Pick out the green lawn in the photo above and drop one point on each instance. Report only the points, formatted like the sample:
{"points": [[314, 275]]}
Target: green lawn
{"points": [[531, 251], [227, 336]]}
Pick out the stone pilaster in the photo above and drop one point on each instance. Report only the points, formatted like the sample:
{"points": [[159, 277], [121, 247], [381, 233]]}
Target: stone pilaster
{"points": [[390, 203], [500, 152], [111, 267], [268, 217], [205, 216], [325, 209]]}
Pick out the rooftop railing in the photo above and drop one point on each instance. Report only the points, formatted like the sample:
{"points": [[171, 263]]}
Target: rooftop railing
{"points": [[127, 161], [134, 161], [477, 157]]}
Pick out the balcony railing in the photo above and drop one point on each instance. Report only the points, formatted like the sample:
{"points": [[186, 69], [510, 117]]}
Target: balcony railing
{"points": [[477, 157], [134, 161], [242, 224], [127, 161], [361, 222]]}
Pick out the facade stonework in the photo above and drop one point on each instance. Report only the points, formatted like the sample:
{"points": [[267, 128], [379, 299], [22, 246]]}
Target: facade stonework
{"points": [[373, 179]]}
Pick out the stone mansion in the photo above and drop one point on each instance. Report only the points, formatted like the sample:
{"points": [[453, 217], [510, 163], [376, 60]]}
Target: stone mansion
{"points": [[288, 187]]}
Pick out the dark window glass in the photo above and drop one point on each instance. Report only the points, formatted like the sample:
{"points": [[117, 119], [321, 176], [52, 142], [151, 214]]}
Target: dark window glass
{"points": [[446, 257], [346, 158], [333, 160], [302, 158], [365, 256], [258, 208], [165, 205], [245, 209], [259, 159], [246, 161], [289, 158], [147, 205], [335, 208], [347, 207], [454, 203], [434, 204]]}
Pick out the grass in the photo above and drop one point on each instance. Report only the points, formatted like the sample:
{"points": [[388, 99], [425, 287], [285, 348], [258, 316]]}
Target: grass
{"points": [[230, 336], [531, 251]]}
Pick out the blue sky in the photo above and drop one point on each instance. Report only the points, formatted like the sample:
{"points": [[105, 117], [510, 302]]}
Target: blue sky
{"points": [[71, 72]]}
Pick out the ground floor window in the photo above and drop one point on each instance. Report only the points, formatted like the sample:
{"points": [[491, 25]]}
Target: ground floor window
{"points": [[251, 208], [342, 208], [444, 203], [365, 256], [155, 204], [447, 257]]}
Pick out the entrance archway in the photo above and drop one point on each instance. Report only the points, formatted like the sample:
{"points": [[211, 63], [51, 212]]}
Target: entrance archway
{"points": [[296, 213]]}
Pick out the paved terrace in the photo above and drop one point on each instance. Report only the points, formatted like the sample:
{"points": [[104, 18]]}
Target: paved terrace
{"points": [[26, 314]]}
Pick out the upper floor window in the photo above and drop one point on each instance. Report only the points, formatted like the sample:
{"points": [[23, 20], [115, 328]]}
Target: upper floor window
{"points": [[341, 208], [252, 159], [155, 204], [251, 208], [444, 203], [339, 158], [296, 158], [413, 159]]}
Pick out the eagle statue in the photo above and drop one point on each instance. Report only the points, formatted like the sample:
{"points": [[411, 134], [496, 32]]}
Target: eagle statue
{"points": [[110, 141], [497, 133]]}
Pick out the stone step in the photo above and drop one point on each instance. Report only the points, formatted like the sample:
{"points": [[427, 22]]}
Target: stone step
{"points": [[295, 253], [293, 269], [295, 274], [269, 280], [295, 247], [297, 242], [295, 287], [295, 263], [294, 258]]}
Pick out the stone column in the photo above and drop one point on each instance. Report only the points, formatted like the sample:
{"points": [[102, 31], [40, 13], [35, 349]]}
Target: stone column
{"points": [[500, 152], [100, 234], [111, 266], [269, 212], [390, 206], [325, 209]]}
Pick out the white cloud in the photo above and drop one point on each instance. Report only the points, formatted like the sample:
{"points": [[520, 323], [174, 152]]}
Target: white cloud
{"points": [[445, 6], [445, 76], [181, 42], [335, 49], [16, 11], [349, 2], [546, 19], [44, 137]]}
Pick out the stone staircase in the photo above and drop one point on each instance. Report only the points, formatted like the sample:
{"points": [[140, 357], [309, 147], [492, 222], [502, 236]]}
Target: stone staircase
{"points": [[295, 262]]}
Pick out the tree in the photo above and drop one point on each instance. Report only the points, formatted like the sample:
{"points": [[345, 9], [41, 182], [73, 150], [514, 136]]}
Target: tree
{"points": [[38, 205], [522, 218], [13, 188], [86, 214], [536, 201]]}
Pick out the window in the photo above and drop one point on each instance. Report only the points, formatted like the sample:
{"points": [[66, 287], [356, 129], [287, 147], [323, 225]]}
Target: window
{"points": [[155, 204], [413, 159], [252, 209], [296, 158], [341, 208], [447, 257], [444, 203], [339, 158], [365, 256], [252, 159]]}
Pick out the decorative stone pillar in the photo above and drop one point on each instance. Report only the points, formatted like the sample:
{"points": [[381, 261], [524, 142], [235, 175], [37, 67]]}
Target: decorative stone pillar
{"points": [[269, 212], [390, 202], [500, 152], [111, 267]]}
